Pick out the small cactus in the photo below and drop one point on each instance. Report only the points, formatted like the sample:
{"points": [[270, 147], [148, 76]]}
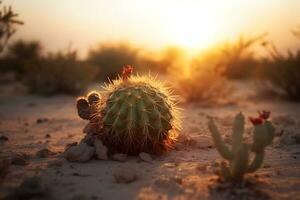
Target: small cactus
{"points": [[239, 155], [133, 114]]}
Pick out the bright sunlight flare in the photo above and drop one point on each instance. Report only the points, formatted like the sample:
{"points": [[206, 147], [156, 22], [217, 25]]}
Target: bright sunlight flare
{"points": [[193, 28]]}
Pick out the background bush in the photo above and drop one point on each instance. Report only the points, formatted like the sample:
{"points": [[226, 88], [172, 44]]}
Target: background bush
{"points": [[110, 58], [18, 54], [237, 59], [58, 73], [203, 82], [282, 71]]}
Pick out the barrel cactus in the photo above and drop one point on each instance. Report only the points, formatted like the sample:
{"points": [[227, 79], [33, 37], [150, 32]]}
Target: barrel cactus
{"points": [[239, 155], [133, 114]]}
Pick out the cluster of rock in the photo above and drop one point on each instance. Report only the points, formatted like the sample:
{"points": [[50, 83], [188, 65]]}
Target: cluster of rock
{"points": [[92, 147]]}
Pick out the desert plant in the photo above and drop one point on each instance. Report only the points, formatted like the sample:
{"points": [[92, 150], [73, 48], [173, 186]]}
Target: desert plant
{"points": [[200, 81], [239, 155], [237, 59], [282, 71], [18, 54], [134, 114], [109, 57], [8, 20], [58, 73]]}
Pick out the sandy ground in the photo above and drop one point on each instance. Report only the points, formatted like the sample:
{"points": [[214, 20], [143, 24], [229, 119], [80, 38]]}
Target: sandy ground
{"points": [[32, 123]]}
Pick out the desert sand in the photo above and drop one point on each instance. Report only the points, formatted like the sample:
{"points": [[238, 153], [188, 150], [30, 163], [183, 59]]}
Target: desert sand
{"points": [[32, 123]]}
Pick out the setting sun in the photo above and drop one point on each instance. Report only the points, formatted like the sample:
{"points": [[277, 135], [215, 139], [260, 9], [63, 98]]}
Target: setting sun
{"points": [[192, 28]]}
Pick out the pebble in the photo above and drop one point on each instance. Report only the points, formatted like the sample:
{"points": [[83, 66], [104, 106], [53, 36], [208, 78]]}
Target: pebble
{"points": [[3, 138], [79, 153], [145, 157], [101, 150], [125, 175], [41, 120]]}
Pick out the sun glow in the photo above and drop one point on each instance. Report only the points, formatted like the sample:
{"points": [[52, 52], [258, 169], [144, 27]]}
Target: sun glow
{"points": [[193, 28]]}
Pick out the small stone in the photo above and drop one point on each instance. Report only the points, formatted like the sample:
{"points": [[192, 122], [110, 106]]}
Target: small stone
{"points": [[145, 157], [125, 175], [44, 153], [41, 120], [119, 157], [79, 153], [101, 150], [47, 136], [18, 159], [3, 138], [55, 163]]}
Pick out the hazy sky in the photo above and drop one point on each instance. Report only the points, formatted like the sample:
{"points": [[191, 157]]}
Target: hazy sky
{"points": [[154, 23]]}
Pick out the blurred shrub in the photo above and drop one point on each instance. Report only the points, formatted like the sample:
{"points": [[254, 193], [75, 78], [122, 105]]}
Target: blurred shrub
{"points": [[203, 82], [18, 54], [162, 61], [110, 58], [237, 60], [282, 71], [58, 73]]}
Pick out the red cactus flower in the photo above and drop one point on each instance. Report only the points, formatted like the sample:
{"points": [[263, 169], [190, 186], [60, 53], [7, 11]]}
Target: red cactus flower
{"points": [[127, 71], [264, 114], [256, 120]]}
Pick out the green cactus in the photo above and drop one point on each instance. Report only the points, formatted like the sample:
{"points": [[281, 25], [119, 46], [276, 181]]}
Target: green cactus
{"points": [[239, 155], [137, 113]]}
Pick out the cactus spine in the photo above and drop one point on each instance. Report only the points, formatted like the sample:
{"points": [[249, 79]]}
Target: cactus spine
{"points": [[239, 155]]}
